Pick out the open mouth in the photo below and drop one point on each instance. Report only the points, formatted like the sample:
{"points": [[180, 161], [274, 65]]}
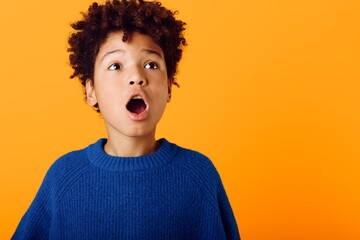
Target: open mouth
{"points": [[136, 105]]}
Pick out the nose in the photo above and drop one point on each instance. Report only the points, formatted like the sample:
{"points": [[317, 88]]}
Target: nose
{"points": [[137, 77], [141, 82]]}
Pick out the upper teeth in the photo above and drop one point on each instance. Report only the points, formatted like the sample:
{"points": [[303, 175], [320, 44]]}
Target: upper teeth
{"points": [[137, 97]]}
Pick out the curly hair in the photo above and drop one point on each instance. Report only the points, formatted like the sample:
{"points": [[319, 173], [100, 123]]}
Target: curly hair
{"points": [[149, 18]]}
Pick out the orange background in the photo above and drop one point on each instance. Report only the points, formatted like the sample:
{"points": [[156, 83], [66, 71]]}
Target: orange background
{"points": [[269, 91]]}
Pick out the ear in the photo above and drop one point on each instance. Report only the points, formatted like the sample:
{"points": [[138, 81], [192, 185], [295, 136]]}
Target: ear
{"points": [[169, 90], [90, 93]]}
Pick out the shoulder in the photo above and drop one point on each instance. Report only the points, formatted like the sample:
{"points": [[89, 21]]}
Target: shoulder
{"points": [[66, 169], [201, 170], [78, 158], [72, 160], [196, 161]]}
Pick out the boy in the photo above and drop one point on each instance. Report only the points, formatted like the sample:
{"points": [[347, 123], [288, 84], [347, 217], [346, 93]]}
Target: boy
{"points": [[129, 186]]}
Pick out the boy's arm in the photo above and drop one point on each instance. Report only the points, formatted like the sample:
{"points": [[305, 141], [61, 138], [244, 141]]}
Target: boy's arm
{"points": [[218, 221], [227, 215], [35, 224], [220, 203]]}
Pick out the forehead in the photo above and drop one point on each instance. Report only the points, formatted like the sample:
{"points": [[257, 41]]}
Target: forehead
{"points": [[135, 42]]}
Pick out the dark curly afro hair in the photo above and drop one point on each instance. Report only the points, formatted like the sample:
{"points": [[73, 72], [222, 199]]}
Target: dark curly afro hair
{"points": [[149, 18]]}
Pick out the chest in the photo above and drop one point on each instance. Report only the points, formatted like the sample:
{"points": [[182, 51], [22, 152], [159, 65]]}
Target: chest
{"points": [[137, 206]]}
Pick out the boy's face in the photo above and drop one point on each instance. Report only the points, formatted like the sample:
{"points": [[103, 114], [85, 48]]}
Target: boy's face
{"points": [[130, 85]]}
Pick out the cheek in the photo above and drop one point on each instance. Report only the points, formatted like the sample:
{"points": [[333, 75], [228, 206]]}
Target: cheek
{"points": [[162, 91], [162, 98], [109, 97]]}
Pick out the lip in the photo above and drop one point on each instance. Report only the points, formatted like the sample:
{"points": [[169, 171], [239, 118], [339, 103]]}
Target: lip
{"points": [[144, 114]]}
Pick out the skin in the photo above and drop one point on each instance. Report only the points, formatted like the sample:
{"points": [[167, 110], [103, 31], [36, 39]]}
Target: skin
{"points": [[124, 70]]}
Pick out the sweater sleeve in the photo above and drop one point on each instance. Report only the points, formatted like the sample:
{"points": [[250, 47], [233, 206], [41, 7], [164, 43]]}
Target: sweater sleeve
{"points": [[226, 214], [35, 224], [220, 203], [214, 226], [219, 212]]}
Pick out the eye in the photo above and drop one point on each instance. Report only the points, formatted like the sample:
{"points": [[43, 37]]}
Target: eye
{"points": [[114, 66], [151, 65]]}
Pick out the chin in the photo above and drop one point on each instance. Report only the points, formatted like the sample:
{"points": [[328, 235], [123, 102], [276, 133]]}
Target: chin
{"points": [[140, 132]]}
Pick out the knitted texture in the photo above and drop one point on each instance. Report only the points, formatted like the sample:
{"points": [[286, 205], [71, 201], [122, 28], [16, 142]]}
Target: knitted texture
{"points": [[173, 193]]}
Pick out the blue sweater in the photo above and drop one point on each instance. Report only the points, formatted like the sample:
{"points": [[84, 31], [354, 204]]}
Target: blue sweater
{"points": [[173, 193]]}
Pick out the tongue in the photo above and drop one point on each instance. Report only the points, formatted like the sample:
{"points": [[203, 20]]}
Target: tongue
{"points": [[136, 106]]}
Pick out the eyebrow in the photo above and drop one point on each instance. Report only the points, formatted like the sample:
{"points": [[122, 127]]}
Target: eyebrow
{"points": [[111, 52], [146, 50], [150, 51]]}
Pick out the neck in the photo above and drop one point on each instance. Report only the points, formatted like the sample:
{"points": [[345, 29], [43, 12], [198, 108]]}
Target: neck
{"points": [[124, 146]]}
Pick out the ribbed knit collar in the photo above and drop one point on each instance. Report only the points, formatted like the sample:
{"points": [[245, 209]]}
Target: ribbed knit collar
{"points": [[100, 158]]}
